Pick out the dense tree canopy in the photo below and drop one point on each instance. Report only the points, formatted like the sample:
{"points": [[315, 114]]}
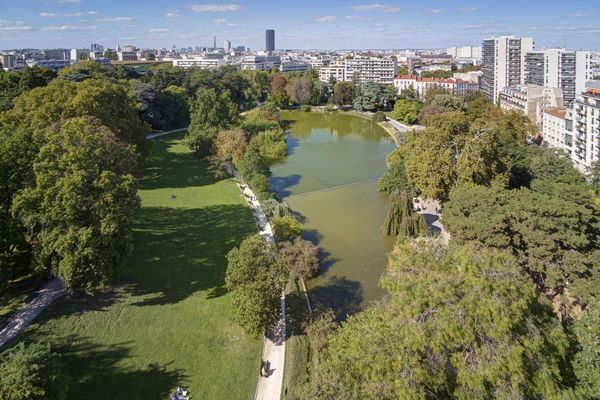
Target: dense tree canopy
{"points": [[406, 111], [586, 364], [14, 83], [255, 278], [32, 372], [301, 257], [457, 324], [79, 210]]}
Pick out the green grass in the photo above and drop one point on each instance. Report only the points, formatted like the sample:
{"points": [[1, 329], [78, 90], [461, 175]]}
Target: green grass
{"points": [[168, 320]]}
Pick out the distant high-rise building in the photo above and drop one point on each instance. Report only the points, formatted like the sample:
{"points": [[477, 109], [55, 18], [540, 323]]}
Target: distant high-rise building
{"points": [[503, 64], [559, 68], [96, 47], [270, 40], [214, 42], [74, 54], [227, 46]]}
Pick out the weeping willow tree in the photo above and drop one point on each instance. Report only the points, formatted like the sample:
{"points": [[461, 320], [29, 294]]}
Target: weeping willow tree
{"points": [[401, 218]]}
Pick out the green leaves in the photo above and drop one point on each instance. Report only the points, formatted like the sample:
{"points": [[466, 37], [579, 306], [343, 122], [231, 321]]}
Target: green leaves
{"points": [[255, 278], [457, 323], [79, 210]]}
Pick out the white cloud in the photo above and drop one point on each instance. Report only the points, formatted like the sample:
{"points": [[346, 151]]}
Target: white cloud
{"points": [[172, 14], [68, 1], [474, 26], [467, 9], [69, 27], [357, 17], [47, 15], [158, 30], [219, 20], [326, 18], [437, 11], [75, 14], [115, 19], [376, 7], [15, 28], [93, 13], [214, 7], [577, 15]]}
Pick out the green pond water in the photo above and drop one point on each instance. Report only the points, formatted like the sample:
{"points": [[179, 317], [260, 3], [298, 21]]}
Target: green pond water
{"points": [[330, 178]]}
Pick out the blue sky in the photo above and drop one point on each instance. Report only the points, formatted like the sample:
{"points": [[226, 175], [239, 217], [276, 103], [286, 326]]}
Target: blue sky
{"points": [[308, 24]]}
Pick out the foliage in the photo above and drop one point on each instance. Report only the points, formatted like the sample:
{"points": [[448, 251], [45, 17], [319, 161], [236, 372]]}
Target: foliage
{"points": [[557, 245], [374, 96], [79, 211], [275, 208], [454, 150], [230, 145], [434, 91], [596, 177], [277, 92], [271, 143], [14, 83], [448, 102], [32, 372], [251, 164], [210, 113], [401, 219], [299, 90], [84, 70], [343, 93], [395, 177], [260, 185], [440, 74], [406, 111], [301, 257], [378, 117], [258, 120], [409, 93], [457, 324], [285, 228], [586, 363], [255, 278], [304, 108], [17, 152]]}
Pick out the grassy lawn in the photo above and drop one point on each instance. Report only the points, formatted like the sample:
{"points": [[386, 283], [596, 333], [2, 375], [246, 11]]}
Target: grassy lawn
{"points": [[168, 320]]}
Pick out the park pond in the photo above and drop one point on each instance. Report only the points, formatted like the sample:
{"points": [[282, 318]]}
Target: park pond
{"points": [[330, 179]]}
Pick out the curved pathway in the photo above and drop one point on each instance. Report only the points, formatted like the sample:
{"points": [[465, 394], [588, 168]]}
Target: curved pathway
{"points": [[52, 290], [273, 352]]}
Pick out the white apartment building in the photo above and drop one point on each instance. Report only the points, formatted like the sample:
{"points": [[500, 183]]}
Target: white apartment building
{"points": [[582, 127], [297, 66], [261, 62], [559, 68], [464, 52], [531, 100], [421, 85], [199, 62], [553, 127], [503, 64], [360, 70]]}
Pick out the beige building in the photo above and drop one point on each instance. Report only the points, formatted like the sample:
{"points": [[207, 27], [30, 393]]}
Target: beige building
{"points": [[531, 100], [553, 127], [421, 85], [360, 70]]}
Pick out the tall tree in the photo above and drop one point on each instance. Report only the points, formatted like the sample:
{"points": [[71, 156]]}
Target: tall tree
{"points": [[586, 364], [301, 257], [401, 219], [299, 90], [277, 92], [32, 372], [79, 211], [255, 279], [457, 324], [395, 177], [210, 113], [343, 93]]}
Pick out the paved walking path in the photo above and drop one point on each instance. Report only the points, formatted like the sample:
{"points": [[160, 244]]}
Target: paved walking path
{"points": [[429, 209], [159, 134], [273, 352], [52, 290]]}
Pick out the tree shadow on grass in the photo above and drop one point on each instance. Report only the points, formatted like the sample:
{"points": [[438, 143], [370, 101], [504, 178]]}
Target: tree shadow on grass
{"points": [[343, 295], [97, 372], [165, 168], [178, 252]]}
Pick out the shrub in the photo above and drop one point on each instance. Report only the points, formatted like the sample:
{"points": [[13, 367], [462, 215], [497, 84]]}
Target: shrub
{"points": [[329, 108], [285, 228], [305, 108], [259, 183], [378, 117], [271, 143]]}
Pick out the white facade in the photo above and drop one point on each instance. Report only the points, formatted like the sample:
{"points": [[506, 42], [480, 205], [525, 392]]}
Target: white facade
{"points": [[421, 85], [199, 62], [298, 66], [559, 68], [531, 100], [261, 62], [503, 64], [360, 70], [464, 52], [582, 124], [553, 127]]}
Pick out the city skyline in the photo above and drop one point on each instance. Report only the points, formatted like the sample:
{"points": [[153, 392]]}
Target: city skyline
{"points": [[311, 25]]}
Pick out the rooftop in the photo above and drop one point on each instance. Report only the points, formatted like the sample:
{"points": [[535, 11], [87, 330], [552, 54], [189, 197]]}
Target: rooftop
{"points": [[558, 112]]}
